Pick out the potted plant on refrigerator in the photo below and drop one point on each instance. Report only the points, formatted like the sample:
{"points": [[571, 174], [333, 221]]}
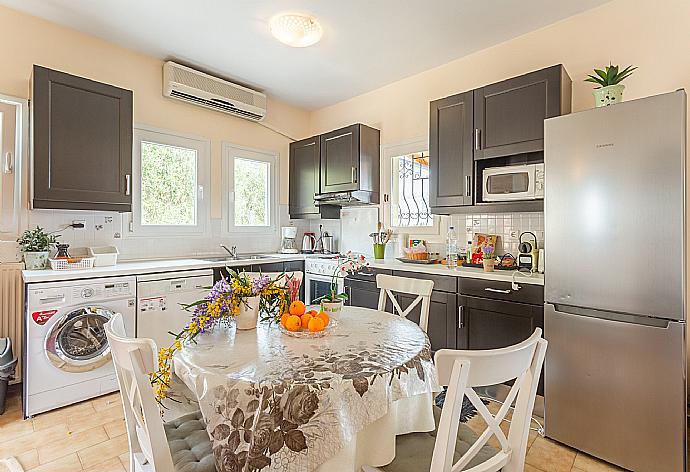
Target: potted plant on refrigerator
{"points": [[35, 245], [610, 90], [332, 302]]}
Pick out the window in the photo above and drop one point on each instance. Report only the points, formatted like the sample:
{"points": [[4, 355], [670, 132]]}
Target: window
{"points": [[405, 183], [169, 176], [250, 183], [410, 190]]}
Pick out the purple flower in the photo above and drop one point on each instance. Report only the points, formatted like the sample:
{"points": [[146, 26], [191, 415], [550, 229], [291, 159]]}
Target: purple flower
{"points": [[260, 283]]}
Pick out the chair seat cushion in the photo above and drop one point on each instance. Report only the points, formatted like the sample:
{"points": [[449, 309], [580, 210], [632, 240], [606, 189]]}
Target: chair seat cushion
{"points": [[413, 451], [189, 443]]}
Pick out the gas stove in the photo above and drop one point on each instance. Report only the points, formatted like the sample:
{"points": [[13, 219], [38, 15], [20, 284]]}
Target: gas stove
{"points": [[321, 265]]}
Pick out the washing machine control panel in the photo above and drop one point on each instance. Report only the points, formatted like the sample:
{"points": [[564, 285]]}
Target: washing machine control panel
{"points": [[100, 291]]}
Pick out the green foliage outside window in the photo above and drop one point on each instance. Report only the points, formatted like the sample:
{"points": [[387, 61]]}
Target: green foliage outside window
{"points": [[251, 193], [168, 185]]}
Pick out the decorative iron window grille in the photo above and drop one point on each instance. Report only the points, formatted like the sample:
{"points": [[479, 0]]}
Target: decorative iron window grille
{"points": [[410, 191]]}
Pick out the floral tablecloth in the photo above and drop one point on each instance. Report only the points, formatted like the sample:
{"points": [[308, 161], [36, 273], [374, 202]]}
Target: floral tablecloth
{"points": [[275, 402]]}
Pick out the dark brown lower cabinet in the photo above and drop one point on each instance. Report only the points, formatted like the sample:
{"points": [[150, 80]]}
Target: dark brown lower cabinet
{"points": [[361, 293], [442, 314]]}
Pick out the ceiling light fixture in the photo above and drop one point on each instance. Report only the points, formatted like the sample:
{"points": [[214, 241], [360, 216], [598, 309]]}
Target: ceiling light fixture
{"points": [[295, 30]]}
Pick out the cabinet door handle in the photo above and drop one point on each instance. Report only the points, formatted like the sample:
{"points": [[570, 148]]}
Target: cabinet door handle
{"points": [[477, 139], [7, 168], [461, 317], [128, 184], [496, 290], [468, 185], [354, 175]]}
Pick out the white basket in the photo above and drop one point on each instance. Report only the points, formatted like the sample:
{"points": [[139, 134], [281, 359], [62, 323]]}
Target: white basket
{"points": [[65, 264], [104, 255]]}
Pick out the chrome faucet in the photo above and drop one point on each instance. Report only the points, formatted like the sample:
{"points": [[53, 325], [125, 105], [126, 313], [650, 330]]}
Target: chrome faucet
{"points": [[232, 252]]}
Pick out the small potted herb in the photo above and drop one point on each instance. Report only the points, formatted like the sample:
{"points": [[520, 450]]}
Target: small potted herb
{"points": [[332, 302], [35, 244], [610, 90], [489, 261]]}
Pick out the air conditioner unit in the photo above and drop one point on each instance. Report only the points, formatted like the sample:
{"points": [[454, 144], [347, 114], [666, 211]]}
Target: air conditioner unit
{"points": [[189, 85]]}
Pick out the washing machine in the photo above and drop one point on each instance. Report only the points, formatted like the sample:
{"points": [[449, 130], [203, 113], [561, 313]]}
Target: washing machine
{"points": [[66, 352]]}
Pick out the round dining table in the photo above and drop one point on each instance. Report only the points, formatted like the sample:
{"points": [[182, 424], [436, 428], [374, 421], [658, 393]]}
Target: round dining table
{"points": [[274, 402]]}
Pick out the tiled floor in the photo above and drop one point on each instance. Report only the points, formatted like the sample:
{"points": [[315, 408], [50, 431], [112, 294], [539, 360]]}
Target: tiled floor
{"points": [[90, 436]]}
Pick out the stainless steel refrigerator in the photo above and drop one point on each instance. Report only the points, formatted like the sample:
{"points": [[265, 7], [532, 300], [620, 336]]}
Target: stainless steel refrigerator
{"points": [[615, 268]]}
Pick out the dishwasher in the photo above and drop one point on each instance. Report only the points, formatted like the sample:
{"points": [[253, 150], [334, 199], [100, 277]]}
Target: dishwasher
{"points": [[160, 298]]}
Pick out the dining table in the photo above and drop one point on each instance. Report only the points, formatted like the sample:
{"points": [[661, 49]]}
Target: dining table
{"points": [[273, 401]]}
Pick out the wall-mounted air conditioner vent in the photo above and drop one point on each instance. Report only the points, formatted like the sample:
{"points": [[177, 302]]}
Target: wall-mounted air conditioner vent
{"points": [[189, 85]]}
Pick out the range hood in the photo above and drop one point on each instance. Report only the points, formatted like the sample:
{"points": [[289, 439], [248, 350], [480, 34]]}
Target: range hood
{"points": [[347, 199]]}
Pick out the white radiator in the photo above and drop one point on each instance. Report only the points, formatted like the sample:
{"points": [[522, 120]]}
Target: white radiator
{"points": [[12, 308]]}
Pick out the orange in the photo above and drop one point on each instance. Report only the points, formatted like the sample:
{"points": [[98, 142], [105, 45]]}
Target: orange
{"points": [[313, 312], [316, 324], [305, 319], [297, 308], [284, 318], [293, 323], [324, 317]]}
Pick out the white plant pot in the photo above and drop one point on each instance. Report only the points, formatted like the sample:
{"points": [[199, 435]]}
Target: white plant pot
{"points": [[249, 314], [610, 95], [332, 308], [36, 260]]}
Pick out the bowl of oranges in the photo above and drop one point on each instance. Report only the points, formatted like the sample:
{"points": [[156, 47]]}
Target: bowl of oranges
{"points": [[302, 323]]}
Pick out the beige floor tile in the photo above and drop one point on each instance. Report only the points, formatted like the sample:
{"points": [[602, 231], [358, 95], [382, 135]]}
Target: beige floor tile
{"points": [[550, 456], [69, 463], [592, 464], [111, 465], [51, 418], [27, 442], [106, 401], [103, 451], [83, 421], [124, 460], [531, 468], [71, 443], [13, 425], [115, 428], [28, 459]]}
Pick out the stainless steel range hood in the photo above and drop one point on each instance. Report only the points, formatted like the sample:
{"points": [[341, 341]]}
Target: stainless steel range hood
{"points": [[347, 199]]}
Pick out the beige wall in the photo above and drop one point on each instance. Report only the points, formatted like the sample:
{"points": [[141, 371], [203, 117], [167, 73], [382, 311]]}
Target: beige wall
{"points": [[27, 40], [651, 35]]}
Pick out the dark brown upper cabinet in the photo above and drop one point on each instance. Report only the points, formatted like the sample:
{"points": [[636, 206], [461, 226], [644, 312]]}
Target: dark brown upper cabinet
{"points": [[350, 160], [450, 151], [509, 115], [82, 143], [304, 177]]}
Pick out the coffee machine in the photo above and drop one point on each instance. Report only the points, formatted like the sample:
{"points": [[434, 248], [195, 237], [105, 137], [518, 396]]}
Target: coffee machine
{"points": [[528, 259], [287, 244]]}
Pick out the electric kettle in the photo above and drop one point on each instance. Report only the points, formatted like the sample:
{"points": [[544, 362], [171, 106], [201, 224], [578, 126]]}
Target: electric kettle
{"points": [[308, 243]]}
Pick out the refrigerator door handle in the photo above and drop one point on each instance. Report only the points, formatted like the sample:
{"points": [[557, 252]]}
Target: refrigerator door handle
{"points": [[611, 316]]}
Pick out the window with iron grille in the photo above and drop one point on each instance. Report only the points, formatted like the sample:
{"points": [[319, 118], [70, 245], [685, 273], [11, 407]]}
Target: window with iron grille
{"points": [[410, 191]]}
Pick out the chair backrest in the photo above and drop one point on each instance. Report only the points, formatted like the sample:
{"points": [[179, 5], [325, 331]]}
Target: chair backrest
{"points": [[134, 359], [391, 284], [462, 371]]}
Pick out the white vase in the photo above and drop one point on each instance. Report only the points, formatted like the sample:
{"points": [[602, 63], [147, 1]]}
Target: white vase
{"points": [[36, 260], [610, 95], [249, 314], [332, 308]]}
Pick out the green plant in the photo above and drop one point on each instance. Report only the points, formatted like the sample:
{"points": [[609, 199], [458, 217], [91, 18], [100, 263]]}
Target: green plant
{"points": [[609, 76], [36, 240]]}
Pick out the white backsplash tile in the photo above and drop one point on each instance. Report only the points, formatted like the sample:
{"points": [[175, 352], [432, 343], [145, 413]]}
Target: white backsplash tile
{"points": [[507, 226]]}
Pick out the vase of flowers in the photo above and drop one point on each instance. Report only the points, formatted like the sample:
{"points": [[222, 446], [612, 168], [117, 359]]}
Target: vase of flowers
{"points": [[332, 302], [35, 244], [489, 261], [238, 299]]}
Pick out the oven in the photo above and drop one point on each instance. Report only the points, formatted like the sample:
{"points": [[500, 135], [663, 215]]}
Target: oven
{"points": [[518, 182], [317, 285]]}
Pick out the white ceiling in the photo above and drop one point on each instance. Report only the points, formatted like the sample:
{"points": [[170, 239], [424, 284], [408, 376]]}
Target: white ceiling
{"points": [[366, 43]]}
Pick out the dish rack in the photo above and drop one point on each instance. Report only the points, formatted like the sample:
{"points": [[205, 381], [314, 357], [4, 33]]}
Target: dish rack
{"points": [[73, 263]]}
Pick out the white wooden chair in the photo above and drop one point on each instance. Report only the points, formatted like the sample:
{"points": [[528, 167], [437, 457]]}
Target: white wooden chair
{"points": [[462, 371], [154, 446], [390, 284]]}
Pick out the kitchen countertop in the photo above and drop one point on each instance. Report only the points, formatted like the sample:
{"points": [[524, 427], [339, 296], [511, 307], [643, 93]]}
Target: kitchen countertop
{"points": [[170, 265], [471, 272]]}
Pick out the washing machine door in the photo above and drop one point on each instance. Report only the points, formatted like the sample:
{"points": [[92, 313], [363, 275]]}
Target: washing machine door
{"points": [[77, 341]]}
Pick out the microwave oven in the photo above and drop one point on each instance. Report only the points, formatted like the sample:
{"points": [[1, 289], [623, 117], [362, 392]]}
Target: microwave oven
{"points": [[518, 182]]}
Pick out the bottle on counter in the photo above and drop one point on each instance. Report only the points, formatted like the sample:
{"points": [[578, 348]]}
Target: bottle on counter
{"points": [[469, 252], [452, 248]]}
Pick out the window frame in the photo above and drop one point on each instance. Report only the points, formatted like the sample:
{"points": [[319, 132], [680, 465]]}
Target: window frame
{"points": [[229, 153], [388, 153], [202, 146]]}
